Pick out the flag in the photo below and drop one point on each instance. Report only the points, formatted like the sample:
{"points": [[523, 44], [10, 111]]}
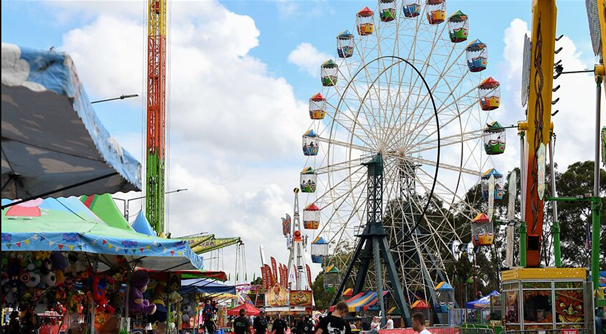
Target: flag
{"points": [[274, 267], [270, 278], [308, 275]]}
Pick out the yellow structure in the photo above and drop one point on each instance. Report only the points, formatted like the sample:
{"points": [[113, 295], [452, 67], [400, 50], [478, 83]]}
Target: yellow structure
{"points": [[543, 273], [546, 299], [538, 123]]}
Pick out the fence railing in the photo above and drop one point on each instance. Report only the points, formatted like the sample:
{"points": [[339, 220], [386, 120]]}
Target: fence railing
{"points": [[550, 331]]}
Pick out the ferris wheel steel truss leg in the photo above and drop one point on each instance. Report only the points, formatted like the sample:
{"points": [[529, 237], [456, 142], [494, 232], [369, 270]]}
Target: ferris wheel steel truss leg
{"points": [[374, 236]]}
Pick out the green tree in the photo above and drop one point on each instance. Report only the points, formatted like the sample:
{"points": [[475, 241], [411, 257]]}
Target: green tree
{"points": [[575, 217]]}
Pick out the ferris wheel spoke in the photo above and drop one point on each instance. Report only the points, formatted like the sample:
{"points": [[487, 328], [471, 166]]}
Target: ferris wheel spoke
{"points": [[367, 141], [353, 86], [440, 108], [345, 144], [341, 200], [437, 233], [455, 196], [445, 166], [340, 166], [432, 144], [343, 227], [443, 123]]}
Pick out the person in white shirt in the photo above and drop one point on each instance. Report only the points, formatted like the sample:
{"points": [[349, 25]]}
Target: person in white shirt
{"points": [[389, 324], [418, 323], [375, 325]]}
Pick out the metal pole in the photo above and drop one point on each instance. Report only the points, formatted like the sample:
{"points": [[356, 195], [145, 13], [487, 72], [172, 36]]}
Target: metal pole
{"points": [[596, 207], [522, 177], [596, 167], [596, 203], [375, 246], [523, 244], [556, 225]]}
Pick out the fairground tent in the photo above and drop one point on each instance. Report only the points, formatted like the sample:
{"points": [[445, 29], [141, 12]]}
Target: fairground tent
{"points": [[53, 143], [362, 301], [65, 224], [205, 286], [250, 310], [483, 302]]}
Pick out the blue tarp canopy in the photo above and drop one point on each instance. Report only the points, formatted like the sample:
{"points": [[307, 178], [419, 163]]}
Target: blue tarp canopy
{"points": [[53, 143], [66, 224], [141, 225], [205, 286], [483, 302]]}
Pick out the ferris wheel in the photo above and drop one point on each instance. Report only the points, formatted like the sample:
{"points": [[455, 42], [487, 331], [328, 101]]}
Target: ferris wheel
{"points": [[409, 86]]}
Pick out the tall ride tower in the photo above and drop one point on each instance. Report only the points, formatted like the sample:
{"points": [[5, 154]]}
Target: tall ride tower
{"points": [[156, 113]]}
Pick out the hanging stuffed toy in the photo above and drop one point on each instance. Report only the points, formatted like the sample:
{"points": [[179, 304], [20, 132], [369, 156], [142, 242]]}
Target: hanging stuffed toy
{"points": [[99, 286], [138, 285], [159, 299]]}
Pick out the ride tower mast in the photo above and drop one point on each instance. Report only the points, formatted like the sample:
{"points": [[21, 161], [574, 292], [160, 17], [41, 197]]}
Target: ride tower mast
{"points": [[156, 114]]}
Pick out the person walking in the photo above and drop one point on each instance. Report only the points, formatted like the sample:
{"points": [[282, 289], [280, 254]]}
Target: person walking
{"points": [[241, 323], [305, 326], [389, 324], [418, 323], [375, 325], [334, 323], [260, 323], [279, 326]]}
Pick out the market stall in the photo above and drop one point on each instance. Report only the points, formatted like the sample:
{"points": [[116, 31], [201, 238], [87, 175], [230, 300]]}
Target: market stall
{"points": [[58, 256]]}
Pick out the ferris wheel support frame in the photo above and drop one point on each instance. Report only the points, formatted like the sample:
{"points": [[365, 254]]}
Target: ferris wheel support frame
{"points": [[374, 240]]}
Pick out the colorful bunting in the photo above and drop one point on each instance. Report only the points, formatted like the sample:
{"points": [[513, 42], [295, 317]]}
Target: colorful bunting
{"points": [[60, 246]]}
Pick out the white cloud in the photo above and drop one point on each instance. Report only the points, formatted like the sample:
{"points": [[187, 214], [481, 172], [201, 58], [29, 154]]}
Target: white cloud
{"points": [[307, 58], [287, 7], [574, 123], [15, 71], [235, 128]]}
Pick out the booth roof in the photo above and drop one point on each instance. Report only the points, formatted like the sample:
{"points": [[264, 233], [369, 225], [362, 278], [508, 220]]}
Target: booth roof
{"points": [[66, 224], [205, 286], [53, 143]]}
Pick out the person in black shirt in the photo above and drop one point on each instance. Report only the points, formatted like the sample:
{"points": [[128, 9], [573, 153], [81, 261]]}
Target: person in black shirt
{"points": [[260, 323], [305, 326], [241, 324], [334, 323], [279, 326]]}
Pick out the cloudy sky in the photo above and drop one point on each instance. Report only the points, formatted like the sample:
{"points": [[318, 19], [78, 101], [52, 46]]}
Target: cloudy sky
{"points": [[240, 74]]}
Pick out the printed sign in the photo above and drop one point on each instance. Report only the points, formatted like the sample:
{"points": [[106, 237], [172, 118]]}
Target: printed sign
{"points": [[541, 170], [300, 298]]}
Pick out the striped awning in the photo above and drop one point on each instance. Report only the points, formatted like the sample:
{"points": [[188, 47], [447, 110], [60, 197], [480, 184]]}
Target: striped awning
{"points": [[362, 301]]}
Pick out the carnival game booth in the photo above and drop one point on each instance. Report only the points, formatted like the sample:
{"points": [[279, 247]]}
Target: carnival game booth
{"points": [[57, 255], [547, 299], [53, 144], [204, 299]]}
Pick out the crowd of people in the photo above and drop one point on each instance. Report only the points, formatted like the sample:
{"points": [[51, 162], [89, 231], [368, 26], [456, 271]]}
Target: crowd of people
{"points": [[332, 323]]}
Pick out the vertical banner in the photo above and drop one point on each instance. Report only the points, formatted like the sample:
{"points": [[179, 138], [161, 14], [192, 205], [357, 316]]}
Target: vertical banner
{"points": [[541, 171], [274, 267], [308, 275], [270, 279], [284, 275], [264, 277]]}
